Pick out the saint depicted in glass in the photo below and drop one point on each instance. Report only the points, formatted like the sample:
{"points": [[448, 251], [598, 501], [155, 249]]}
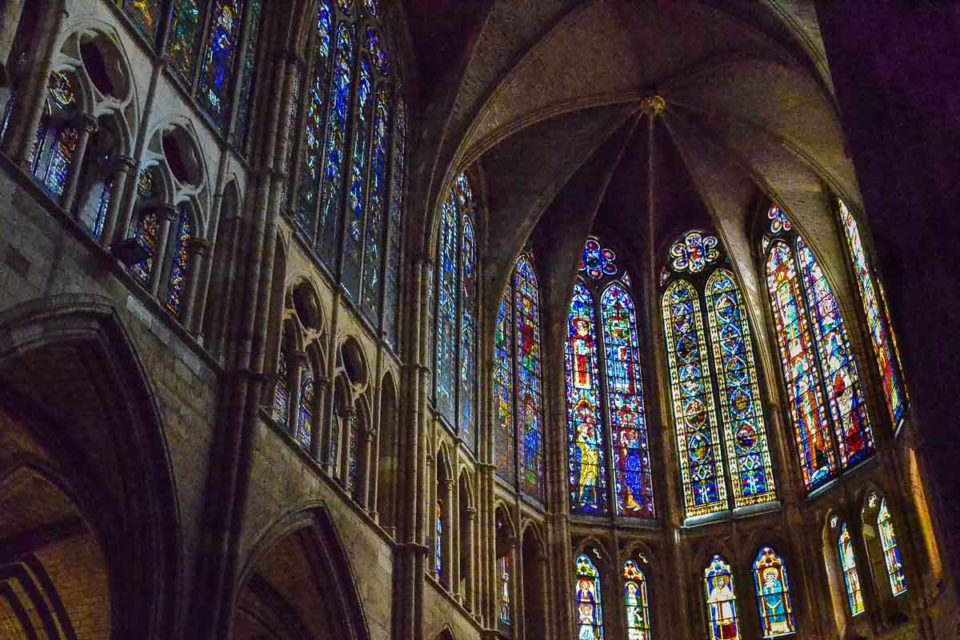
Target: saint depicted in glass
{"points": [[721, 601], [773, 594], [891, 550], [505, 441], [848, 566], [180, 269], [589, 612], [505, 613], [217, 72], [529, 383], [636, 603], [308, 400]]}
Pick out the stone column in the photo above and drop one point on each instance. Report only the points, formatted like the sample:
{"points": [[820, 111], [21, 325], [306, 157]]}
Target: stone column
{"points": [[167, 214], [321, 389], [446, 495], [470, 597], [125, 164], [197, 250], [364, 448], [295, 364], [346, 435], [88, 126]]}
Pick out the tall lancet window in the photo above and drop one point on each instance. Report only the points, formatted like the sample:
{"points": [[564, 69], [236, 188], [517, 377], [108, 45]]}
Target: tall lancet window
{"points": [[718, 416], [605, 393], [456, 307], [848, 567], [818, 364], [518, 383], [773, 594], [636, 602], [721, 600], [878, 317], [589, 600]]}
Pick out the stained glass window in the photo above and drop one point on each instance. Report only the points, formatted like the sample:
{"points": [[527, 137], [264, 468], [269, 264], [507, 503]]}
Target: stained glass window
{"points": [[588, 492], [636, 602], [145, 14], [745, 436], [356, 209], [818, 364], [878, 317], [308, 400], [94, 212], [180, 268], [797, 360], [353, 459], [721, 601], [589, 600], [891, 550], [281, 394], [633, 484], [147, 232], [848, 407], [395, 227], [52, 154], [505, 438], [185, 28], [456, 300], [503, 575], [694, 252], [313, 134], [438, 542], [242, 126], [216, 78], [336, 138], [528, 378], [773, 594], [597, 261], [376, 206], [704, 489], [848, 565]]}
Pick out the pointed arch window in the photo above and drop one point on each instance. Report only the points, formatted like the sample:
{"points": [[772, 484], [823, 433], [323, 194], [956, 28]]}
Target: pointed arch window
{"points": [[518, 381], [51, 157], [817, 362], [589, 600], [880, 540], [773, 594], [281, 394], [179, 270], [636, 602], [721, 600], [848, 567], [605, 387], [891, 550], [455, 314], [308, 402], [438, 541], [721, 433], [875, 311]]}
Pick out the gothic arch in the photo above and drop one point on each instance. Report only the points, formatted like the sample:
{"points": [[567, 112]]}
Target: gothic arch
{"points": [[298, 582], [101, 431]]}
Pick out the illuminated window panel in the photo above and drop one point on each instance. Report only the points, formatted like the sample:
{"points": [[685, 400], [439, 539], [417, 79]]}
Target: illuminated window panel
{"points": [[773, 594], [529, 383], [891, 550], [636, 602], [589, 600], [851, 577], [721, 601]]}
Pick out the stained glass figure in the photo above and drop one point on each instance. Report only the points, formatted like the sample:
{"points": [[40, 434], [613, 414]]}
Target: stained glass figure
{"points": [[377, 52], [376, 211], [597, 261], [628, 429], [748, 454], [848, 565], [529, 383], [179, 270], [352, 483], [438, 542], [848, 408], [701, 472], [395, 227], [308, 400], [145, 15], [589, 600], [503, 576], [636, 602], [242, 127], [773, 594], [468, 332], [313, 133], [778, 220], [588, 487], [797, 360], [878, 317], [281, 394], [216, 78], [336, 139], [694, 252], [356, 206], [721, 601], [891, 550], [447, 334], [185, 27], [505, 438], [147, 235]]}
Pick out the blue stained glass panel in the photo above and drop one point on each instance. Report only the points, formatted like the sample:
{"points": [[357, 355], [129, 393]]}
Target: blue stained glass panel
{"points": [[589, 600], [447, 333], [505, 438], [336, 134], [740, 403], [528, 378], [356, 206], [177, 288], [891, 550], [378, 52], [587, 463], [395, 228], [848, 408], [308, 400], [701, 471], [597, 261], [631, 450], [468, 331], [376, 205], [721, 601], [216, 79], [773, 594]]}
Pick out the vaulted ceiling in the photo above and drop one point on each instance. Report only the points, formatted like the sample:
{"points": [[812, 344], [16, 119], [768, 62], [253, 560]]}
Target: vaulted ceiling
{"points": [[551, 100]]}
